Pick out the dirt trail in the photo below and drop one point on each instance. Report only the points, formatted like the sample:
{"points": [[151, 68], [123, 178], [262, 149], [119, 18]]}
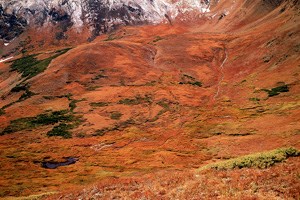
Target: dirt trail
{"points": [[222, 74]]}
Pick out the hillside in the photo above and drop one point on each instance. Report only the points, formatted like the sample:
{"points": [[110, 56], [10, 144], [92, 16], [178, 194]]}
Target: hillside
{"points": [[143, 111]]}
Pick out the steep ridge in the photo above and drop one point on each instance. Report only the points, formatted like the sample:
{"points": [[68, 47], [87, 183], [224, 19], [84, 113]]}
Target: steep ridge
{"points": [[146, 105], [100, 16]]}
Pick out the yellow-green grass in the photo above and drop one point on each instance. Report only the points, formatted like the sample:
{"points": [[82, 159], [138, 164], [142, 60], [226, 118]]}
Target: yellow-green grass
{"points": [[259, 160]]}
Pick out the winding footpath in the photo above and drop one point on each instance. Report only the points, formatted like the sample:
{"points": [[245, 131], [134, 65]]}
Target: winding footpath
{"points": [[222, 73]]}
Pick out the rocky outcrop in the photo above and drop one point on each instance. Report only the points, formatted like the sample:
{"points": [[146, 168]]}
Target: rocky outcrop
{"points": [[99, 15], [10, 25]]}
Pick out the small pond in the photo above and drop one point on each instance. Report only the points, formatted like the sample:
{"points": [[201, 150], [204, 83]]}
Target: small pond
{"points": [[54, 165]]}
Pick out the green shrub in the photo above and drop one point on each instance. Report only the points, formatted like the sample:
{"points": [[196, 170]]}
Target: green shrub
{"points": [[61, 130], [99, 104], [164, 104], [30, 66], [93, 88], [136, 101], [196, 83], [187, 79], [113, 37], [166, 107], [157, 38], [259, 160], [128, 101], [99, 76], [277, 90], [19, 88], [72, 104], [116, 115], [18, 125], [254, 99], [117, 127], [53, 118], [101, 132], [40, 120], [27, 93]]}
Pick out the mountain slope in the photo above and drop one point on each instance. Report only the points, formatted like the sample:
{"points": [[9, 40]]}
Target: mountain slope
{"points": [[141, 108]]}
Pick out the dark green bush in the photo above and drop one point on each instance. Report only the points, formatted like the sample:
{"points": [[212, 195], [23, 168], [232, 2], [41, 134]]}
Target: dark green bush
{"points": [[254, 99], [116, 115], [187, 79], [19, 88], [18, 125], [196, 83], [61, 130], [277, 90], [27, 93], [157, 38], [99, 104], [40, 120], [137, 100], [53, 118], [30, 66]]}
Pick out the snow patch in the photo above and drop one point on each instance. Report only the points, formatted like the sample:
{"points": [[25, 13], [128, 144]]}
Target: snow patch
{"points": [[6, 59], [153, 10]]}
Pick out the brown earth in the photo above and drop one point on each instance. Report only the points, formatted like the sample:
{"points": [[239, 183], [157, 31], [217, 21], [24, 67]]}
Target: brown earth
{"points": [[158, 102]]}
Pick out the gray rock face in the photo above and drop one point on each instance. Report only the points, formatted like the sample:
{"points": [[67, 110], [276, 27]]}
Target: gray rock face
{"points": [[10, 25], [99, 15]]}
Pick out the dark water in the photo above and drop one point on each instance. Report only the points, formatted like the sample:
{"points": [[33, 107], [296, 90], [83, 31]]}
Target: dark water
{"points": [[54, 165]]}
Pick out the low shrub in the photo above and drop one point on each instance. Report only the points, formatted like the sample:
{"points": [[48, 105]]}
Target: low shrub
{"points": [[254, 99], [99, 104], [40, 120], [61, 130], [22, 87], [277, 90], [136, 101], [30, 66], [72, 104], [258, 160], [187, 79], [157, 38], [116, 115]]}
